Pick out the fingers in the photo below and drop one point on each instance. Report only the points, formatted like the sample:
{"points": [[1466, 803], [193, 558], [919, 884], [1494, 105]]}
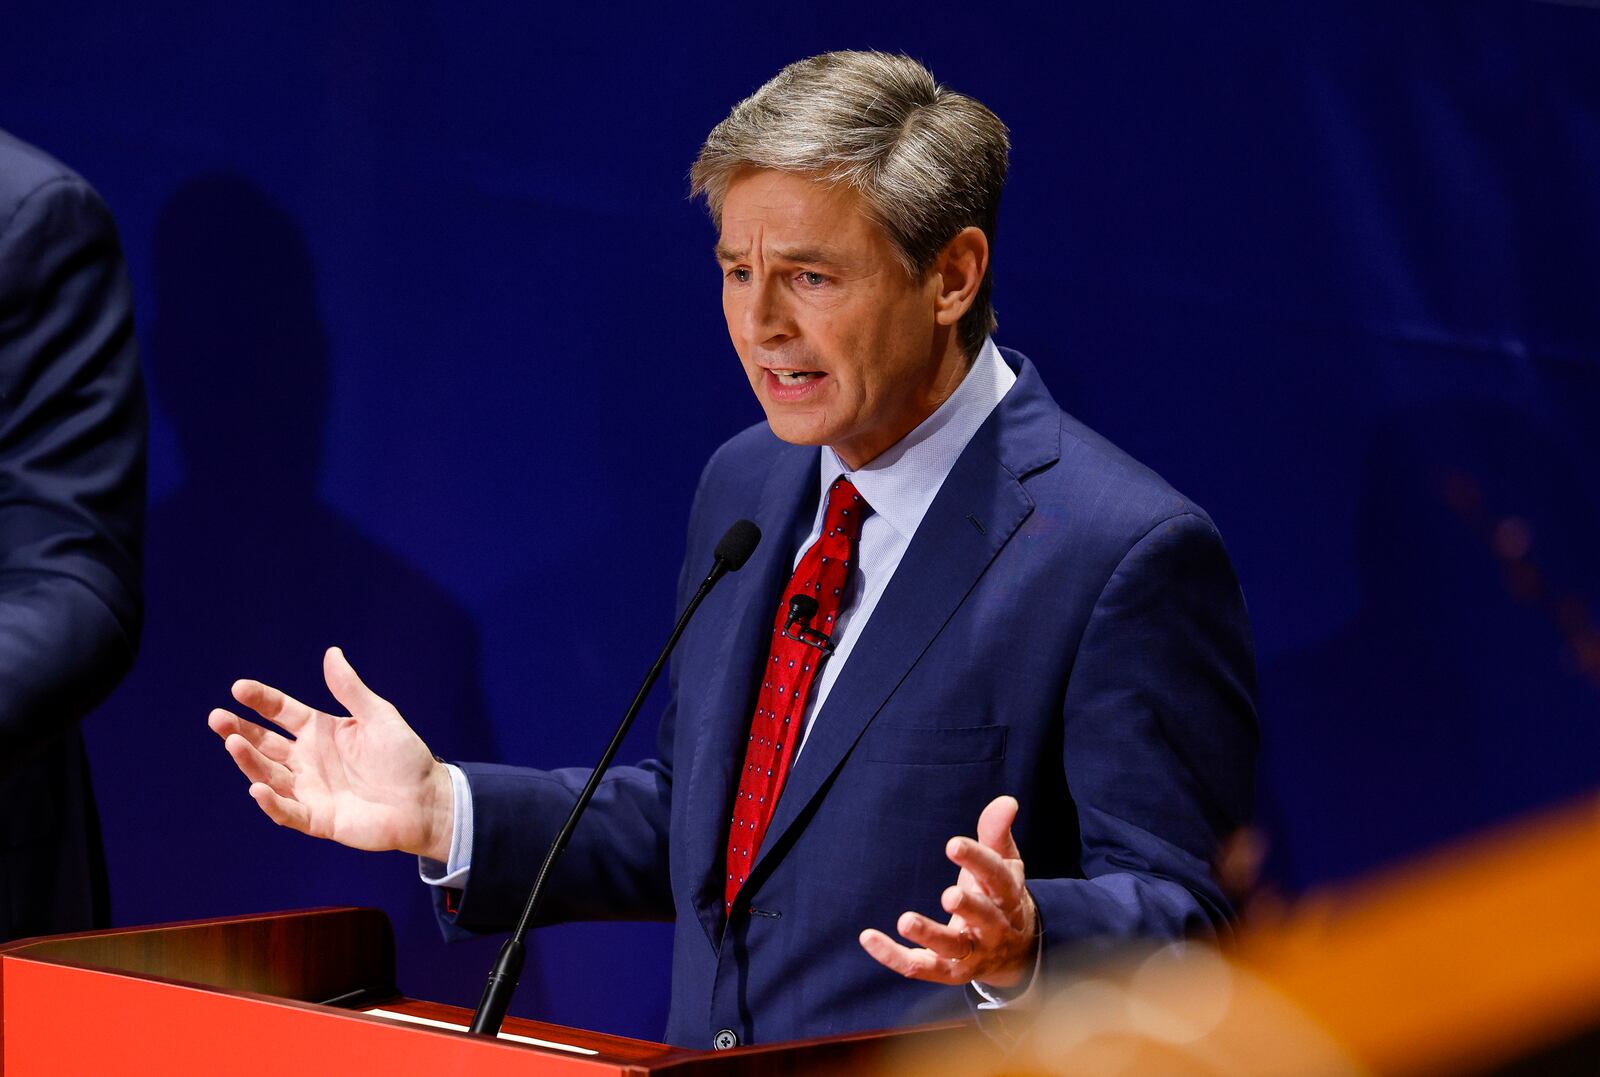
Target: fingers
{"points": [[225, 723], [948, 941], [257, 767], [991, 930], [272, 704], [979, 913], [281, 809], [999, 878], [994, 827], [920, 964], [345, 685]]}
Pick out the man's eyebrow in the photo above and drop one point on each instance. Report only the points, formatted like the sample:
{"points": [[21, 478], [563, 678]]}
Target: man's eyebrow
{"points": [[817, 256]]}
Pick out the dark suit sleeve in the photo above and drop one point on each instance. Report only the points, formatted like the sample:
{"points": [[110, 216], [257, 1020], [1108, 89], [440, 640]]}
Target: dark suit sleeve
{"points": [[615, 867], [1159, 744], [72, 464]]}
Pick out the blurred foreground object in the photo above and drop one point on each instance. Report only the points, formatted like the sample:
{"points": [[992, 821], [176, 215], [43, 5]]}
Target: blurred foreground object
{"points": [[1480, 958]]}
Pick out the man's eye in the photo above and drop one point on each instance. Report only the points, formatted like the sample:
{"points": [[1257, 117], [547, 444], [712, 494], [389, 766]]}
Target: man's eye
{"points": [[815, 280], [740, 274]]}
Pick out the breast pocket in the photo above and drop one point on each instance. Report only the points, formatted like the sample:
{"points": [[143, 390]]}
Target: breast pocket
{"points": [[934, 745]]}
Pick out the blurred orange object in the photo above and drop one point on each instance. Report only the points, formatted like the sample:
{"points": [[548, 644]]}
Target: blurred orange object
{"points": [[1480, 957]]}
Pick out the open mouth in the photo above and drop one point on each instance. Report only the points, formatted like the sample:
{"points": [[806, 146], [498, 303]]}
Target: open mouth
{"points": [[795, 377]]}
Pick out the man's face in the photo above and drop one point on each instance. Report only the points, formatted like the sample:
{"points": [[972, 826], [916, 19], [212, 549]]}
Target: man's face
{"points": [[840, 345]]}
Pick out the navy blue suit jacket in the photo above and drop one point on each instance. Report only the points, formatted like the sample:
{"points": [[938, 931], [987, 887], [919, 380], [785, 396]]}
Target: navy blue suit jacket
{"points": [[1064, 627], [72, 473]]}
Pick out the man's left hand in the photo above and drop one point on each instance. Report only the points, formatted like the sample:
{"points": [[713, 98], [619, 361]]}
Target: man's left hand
{"points": [[991, 936]]}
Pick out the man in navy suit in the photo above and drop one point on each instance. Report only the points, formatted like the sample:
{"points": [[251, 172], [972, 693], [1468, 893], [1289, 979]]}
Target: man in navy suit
{"points": [[1029, 631], [72, 459]]}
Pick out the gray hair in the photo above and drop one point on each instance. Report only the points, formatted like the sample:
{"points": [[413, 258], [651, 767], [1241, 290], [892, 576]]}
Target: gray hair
{"points": [[926, 160]]}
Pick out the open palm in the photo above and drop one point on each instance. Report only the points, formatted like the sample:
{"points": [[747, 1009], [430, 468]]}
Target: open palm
{"points": [[365, 780]]}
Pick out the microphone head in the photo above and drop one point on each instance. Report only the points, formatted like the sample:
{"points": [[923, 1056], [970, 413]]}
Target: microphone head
{"points": [[738, 544]]}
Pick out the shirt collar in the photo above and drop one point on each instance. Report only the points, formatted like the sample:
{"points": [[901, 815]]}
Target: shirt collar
{"points": [[901, 483]]}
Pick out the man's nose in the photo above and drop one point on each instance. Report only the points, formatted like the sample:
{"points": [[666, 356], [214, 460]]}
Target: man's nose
{"points": [[768, 318]]}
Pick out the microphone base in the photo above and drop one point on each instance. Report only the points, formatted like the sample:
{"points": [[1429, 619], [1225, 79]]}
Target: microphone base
{"points": [[498, 989]]}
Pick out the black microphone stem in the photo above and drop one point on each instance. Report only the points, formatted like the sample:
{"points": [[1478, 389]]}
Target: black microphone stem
{"points": [[502, 982]]}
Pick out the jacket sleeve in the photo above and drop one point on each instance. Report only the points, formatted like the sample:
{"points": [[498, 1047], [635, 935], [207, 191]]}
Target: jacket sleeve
{"points": [[72, 464], [1159, 745]]}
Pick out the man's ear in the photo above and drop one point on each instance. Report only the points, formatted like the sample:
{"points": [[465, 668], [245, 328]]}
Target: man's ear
{"points": [[960, 267]]}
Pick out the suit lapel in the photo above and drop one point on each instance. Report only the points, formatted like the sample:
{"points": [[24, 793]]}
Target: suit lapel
{"points": [[978, 509], [785, 514]]}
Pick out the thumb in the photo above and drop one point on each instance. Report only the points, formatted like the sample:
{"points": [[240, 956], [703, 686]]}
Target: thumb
{"points": [[994, 827], [346, 686]]}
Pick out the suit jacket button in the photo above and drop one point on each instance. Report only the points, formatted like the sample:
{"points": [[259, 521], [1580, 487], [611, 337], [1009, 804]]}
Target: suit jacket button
{"points": [[725, 1039]]}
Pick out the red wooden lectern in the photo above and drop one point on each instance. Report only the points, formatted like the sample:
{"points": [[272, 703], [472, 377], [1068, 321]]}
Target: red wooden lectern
{"points": [[285, 994]]}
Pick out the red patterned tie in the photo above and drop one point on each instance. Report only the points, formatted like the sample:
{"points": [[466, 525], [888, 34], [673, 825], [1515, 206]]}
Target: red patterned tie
{"points": [[791, 666]]}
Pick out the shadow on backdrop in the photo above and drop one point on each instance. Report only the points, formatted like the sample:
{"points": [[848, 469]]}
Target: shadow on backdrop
{"points": [[251, 574], [1474, 660]]}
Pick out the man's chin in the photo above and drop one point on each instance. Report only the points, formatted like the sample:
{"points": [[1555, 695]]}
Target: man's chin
{"points": [[787, 428]]}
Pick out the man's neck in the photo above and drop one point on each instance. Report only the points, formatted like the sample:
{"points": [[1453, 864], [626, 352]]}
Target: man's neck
{"points": [[906, 476]]}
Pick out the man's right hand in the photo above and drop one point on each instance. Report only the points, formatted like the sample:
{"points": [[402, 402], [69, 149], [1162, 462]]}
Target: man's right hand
{"points": [[367, 780]]}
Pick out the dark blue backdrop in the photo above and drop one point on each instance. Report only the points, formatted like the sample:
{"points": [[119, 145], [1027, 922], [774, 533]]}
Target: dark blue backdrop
{"points": [[420, 294]]}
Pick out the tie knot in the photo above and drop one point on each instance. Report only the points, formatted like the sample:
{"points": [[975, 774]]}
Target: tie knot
{"points": [[846, 509]]}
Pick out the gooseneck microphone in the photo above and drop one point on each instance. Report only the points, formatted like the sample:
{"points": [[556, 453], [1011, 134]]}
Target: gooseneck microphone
{"points": [[730, 555]]}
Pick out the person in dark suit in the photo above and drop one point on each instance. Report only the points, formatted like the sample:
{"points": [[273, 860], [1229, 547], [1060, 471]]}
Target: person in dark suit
{"points": [[72, 478], [1010, 623]]}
